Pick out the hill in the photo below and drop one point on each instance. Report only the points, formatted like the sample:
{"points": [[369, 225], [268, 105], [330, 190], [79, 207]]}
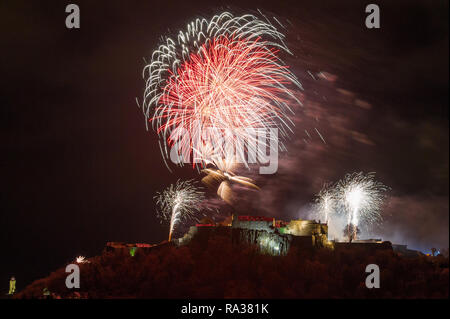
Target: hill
{"points": [[216, 268]]}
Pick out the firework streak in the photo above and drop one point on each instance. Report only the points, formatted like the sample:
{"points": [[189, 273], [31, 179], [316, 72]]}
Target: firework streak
{"points": [[326, 202]]}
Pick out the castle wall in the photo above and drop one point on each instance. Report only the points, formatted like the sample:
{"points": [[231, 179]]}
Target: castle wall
{"points": [[254, 225], [306, 228], [268, 242], [260, 231]]}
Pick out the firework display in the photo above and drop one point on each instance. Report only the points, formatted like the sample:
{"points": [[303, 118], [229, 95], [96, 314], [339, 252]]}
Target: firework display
{"points": [[197, 151], [358, 197], [178, 202], [211, 90], [362, 196], [217, 82]]}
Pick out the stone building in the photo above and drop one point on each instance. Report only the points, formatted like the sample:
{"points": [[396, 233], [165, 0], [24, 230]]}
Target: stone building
{"points": [[271, 236], [276, 237]]}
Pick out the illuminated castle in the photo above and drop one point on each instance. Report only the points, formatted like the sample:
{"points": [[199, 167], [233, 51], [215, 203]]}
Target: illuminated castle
{"points": [[272, 236]]}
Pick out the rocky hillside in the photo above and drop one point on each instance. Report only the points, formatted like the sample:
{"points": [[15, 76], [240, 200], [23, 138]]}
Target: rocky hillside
{"points": [[215, 268]]}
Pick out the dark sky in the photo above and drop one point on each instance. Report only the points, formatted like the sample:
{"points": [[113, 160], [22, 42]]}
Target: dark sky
{"points": [[79, 169]]}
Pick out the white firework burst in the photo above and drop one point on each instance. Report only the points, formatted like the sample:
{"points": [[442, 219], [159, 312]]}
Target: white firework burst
{"points": [[361, 197], [179, 202]]}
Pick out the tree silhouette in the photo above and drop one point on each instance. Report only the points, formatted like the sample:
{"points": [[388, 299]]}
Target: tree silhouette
{"points": [[433, 251], [351, 232]]}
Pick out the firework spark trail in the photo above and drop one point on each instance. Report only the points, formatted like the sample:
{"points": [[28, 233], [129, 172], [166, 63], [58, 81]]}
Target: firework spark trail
{"points": [[326, 202], [220, 75], [179, 202], [361, 197]]}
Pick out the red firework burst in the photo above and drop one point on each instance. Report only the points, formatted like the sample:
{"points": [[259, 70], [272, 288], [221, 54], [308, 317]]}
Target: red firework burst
{"points": [[231, 84]]}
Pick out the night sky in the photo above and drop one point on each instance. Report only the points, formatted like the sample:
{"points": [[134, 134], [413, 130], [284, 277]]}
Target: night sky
{"points": [[78, 167]]}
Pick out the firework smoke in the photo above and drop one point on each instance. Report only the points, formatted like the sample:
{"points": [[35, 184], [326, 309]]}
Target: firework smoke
{"points": [[220, 174], [217, 82], [224, 178], [179, 202]]}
